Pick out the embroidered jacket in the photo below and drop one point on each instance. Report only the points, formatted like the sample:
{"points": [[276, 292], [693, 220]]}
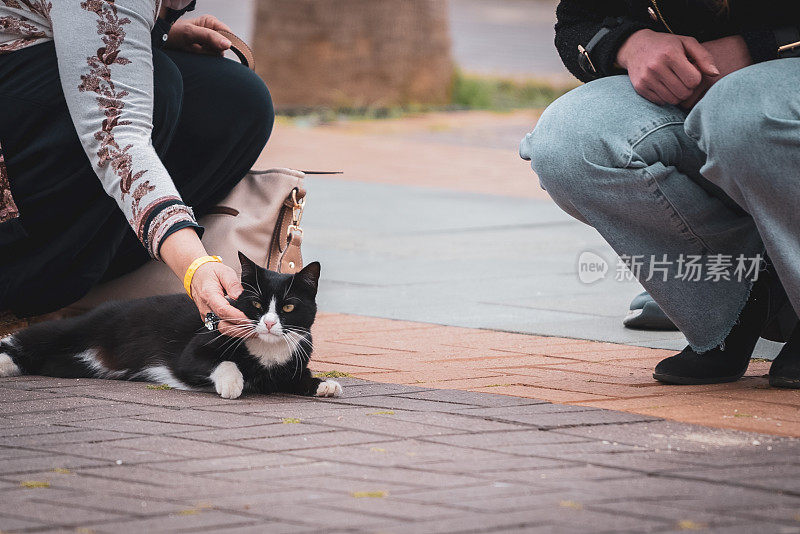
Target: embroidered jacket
{"points": [[106, 70]]}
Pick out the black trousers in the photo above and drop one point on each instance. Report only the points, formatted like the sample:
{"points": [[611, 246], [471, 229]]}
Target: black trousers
{"points": [[212, 118]]}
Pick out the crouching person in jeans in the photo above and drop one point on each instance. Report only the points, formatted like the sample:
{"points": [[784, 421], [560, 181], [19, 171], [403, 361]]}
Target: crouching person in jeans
{"points": [[684, 147]]}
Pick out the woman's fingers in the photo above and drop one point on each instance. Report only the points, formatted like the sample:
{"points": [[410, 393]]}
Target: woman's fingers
{"points": [[675, 86], [230, 282], [688, 74], [233, 321], [701, 56], [653, 89], [209, 39], [210, 21]]}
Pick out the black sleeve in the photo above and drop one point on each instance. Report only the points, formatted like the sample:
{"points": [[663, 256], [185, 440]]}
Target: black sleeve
{"points": [[763, 43], [579, 20]]}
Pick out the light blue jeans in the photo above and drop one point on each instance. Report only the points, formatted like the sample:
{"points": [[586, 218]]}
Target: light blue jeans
{"points": [[723, 179]]}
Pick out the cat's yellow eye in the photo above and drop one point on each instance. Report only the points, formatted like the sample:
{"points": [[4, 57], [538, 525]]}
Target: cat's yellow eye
{"points": [[288, 308], [257, 304]]}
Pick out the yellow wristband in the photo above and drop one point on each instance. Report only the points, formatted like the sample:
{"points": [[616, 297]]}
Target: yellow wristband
{"points": [[187, 279]]}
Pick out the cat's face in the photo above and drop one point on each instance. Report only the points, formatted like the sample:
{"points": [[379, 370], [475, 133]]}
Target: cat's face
{"points": [[281, 306]]}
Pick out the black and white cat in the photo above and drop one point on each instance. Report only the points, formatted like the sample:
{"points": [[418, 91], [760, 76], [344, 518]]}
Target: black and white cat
{"points": [[163, 340]]}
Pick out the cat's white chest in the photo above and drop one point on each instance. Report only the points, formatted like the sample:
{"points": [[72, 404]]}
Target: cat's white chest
{"points": [[270, 354]]}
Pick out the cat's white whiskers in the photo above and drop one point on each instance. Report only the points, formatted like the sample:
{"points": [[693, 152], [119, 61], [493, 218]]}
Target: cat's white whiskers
{"points": [[291, 351], [301, 335]]}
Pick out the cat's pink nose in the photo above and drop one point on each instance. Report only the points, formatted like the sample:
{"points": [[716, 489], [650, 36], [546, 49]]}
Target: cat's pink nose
{"points": [[269, 325]]}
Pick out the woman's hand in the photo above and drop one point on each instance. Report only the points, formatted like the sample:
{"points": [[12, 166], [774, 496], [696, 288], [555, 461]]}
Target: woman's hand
{"points": [[665, 68], [211, 282], [199, 36]]}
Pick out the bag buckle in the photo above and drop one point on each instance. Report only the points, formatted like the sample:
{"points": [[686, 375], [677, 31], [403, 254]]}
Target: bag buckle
{"points": [[297, 214]]}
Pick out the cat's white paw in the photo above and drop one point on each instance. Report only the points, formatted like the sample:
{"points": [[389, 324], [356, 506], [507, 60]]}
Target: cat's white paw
{"points": [[329, 388], [228, 380], [7, 366]]}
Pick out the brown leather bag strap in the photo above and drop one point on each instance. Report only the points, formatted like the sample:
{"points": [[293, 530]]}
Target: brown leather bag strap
{"points": [[240, 48]]}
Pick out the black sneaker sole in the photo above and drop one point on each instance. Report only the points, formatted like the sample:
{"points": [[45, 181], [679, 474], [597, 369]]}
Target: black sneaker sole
{"points": [[781, 382], [691, 381]]}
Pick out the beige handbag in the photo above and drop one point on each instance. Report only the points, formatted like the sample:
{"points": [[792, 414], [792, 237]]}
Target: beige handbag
{"points": [[260, 217]]}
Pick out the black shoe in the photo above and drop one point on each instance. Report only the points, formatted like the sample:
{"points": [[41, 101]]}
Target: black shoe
{"points": [[726, 364], [785, 370], [713, 367]]}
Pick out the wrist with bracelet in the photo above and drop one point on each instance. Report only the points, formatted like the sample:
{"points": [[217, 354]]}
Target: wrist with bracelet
{"points": [[196, 264]]}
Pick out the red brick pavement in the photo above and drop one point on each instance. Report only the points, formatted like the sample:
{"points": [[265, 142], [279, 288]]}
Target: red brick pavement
{"points": [[560, 370]]}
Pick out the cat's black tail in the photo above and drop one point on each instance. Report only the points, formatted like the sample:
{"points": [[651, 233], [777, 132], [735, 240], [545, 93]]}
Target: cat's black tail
{"points": [[48, 349]]}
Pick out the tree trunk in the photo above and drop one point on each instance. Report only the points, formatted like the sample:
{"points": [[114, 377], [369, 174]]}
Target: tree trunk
{"points": [[354, 53]]}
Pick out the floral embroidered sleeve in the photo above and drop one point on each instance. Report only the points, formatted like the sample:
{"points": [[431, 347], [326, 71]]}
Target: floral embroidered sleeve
{"points": [[106, 70]]}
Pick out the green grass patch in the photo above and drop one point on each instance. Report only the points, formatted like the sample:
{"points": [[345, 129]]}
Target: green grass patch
{"points": [[384, 412], [369, 494], [687, 524], [500, 94], [199, 509], [469, 91], [290, 420], [332, 374], [159, 386], [34, 484]]}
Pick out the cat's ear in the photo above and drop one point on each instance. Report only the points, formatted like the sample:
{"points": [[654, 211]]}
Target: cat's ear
{"points": [[249, 267], [309, 275]]}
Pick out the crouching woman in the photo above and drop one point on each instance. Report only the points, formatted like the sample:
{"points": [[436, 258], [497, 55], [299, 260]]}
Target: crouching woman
{"points": [[119, 127]]}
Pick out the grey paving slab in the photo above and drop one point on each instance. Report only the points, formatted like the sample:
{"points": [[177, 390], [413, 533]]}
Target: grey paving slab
{"points": [[189, 520], [405, 461], [12, 524], [59, 514], [244, 434], [470, 398], [47, 462], [392, 508], [262, 501], [121, 504], [312, 441], [137, 426], [107, 451], [68, 436], [207, 417], [452, 421]]}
